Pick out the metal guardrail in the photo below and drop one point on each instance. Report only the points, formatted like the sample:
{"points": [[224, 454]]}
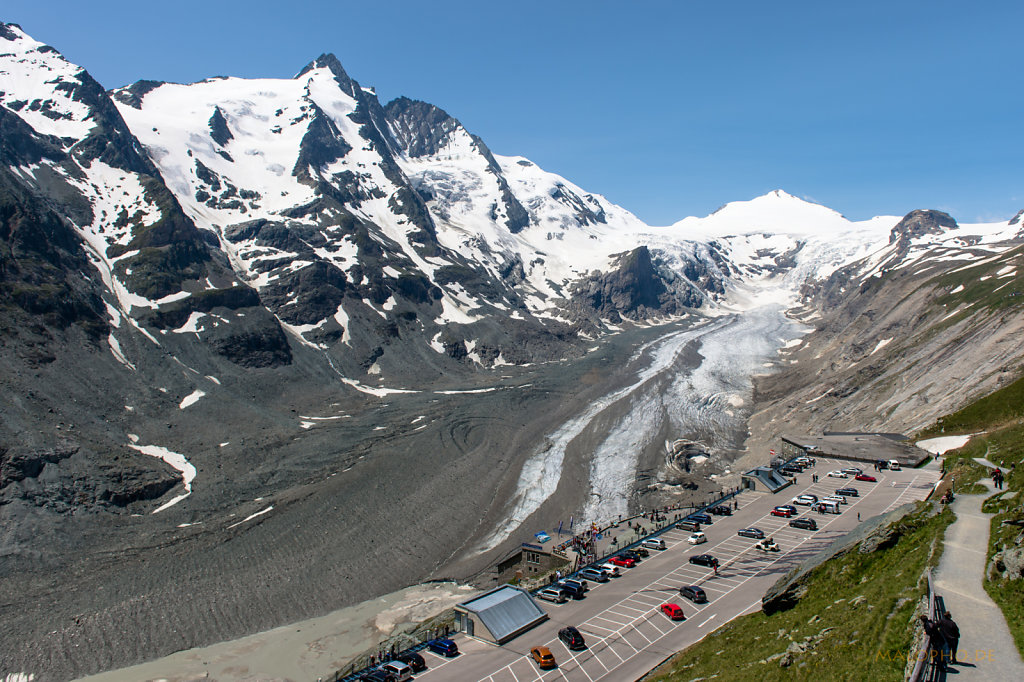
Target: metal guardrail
{"points": [[927, 669]]}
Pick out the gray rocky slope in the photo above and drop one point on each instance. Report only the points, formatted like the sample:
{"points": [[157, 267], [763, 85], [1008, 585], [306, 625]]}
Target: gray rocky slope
{"points": [[239, 319]]}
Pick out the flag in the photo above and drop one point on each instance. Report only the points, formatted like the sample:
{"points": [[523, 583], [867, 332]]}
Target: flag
{"points": [[571, 522], [559, 527]]}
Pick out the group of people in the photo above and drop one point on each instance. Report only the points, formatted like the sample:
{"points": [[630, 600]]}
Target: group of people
{"points": [[997, 478], [943, 639]]}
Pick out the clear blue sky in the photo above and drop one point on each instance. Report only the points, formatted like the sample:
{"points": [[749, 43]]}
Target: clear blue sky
{"points": [[668, 108]]}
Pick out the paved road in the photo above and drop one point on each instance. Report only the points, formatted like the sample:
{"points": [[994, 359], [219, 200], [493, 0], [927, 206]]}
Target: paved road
{"points": [[626, 632], [987, 650]]}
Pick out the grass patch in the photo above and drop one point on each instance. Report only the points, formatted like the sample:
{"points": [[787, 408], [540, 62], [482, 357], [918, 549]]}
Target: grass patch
{"points": [[861, 606], [996, 410]]}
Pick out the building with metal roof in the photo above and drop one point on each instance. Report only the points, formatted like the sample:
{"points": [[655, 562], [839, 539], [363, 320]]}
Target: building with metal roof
{"points": [[499, 615], [765, 479]]}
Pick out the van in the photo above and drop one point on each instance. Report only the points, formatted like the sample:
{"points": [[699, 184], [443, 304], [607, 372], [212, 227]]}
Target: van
{"points": [[653, 543], [400, 670], [894, 465], [689, 525], [828, 507]]}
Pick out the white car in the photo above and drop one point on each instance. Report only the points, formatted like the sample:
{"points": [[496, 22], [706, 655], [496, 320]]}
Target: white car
{"points": [[834, 498], [697, 538], [838, 474], [611, 569], [806, 500]]}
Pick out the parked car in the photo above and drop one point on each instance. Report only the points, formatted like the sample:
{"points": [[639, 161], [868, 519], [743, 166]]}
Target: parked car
{"points": [[571, 590], [443, 646], [703, 560], [630, 554], [828, 507], [694, 594], [866, 477], [641, 549], [838, 499], [553, 594], [595, 574], [848, 492], [755, 533], [400, 671], [806, 500], [572, 638], [378, 675], [624, 562], [893, 465], [806, 461], [413, 660], [653, 543], [806, 524], [838, 474], [791, 469], [543, 657], [700, 518], [769, 545], [721, 510], [673, 611], [853, 471], [785, 512], [697, 538], [610, 568], [689, 525], [575, 582]]}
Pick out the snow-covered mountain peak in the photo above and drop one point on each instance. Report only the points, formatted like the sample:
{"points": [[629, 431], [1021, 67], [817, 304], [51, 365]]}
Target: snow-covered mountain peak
{"points": [[777, 212], [40, 85]]}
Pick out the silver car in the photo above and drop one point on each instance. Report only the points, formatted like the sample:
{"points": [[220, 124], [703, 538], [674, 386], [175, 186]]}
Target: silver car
{"points": [[551, 594]]}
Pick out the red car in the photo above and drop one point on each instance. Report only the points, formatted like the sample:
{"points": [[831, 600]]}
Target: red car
{"points": [[782, 511], [865, 477], [625, 562], [673, 611]]}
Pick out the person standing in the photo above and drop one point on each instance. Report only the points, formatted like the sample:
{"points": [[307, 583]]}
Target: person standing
{"points": [[936, 643], [951, 633]]}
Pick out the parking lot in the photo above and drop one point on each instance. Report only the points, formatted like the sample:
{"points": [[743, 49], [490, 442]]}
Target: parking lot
{"points": [[626, 632]]}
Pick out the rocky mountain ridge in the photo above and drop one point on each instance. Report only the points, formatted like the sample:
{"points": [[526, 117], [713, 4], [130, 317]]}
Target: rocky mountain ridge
{"points": [[281, 294]]}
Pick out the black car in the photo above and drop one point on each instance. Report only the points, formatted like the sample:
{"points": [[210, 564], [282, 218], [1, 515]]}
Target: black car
{"points": [[574, 591], [633, 554], [694, 594], [806, 524], [699, 518], [413, 660], [572, 638], [379, 676], [848, 492], [721, 510], [755, 533], [791, 469], [703, 560]]}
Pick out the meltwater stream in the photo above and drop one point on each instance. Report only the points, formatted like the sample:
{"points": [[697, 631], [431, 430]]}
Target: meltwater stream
{"points": [[706, 399]]}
